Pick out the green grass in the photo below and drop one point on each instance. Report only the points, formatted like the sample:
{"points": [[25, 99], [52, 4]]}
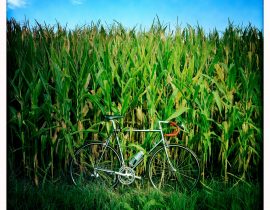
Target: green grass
{"points": [[60, 195]]}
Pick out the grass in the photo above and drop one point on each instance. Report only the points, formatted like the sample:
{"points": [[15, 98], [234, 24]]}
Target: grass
{"points": [[211, 195]]}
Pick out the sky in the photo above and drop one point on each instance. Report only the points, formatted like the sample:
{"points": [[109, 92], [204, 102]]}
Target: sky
{"points": [[208, 14]]}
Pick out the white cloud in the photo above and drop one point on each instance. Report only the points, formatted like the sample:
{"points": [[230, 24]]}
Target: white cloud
{"points": [[77, 2], [12, 4]]}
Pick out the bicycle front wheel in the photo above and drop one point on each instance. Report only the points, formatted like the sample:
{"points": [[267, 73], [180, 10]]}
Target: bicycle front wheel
{"points": [[96, 163], [181, 175]]}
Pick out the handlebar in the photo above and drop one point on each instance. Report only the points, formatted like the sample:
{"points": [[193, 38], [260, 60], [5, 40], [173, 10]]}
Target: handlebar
{"points": [[175, 132]]}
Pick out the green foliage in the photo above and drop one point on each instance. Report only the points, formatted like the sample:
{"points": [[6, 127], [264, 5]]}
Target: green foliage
{"points": [[61, 82]]}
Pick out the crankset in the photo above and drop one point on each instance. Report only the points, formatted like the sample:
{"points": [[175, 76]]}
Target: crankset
{"points": [[126, 175]]}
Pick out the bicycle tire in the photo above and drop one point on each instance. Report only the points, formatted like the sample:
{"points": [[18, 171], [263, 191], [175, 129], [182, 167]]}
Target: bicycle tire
{"points": [[91, 163], [162, 176]]}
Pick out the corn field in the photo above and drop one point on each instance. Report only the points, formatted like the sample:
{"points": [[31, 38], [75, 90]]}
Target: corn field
{"points": [[61, 83]]}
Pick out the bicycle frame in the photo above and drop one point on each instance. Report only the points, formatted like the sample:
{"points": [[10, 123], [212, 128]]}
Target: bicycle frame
{"points": [[115, 134], [169, 166]]}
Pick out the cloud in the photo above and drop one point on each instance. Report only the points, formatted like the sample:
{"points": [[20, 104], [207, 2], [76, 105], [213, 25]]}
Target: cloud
{"points": [[13, 4], [77, 2]]}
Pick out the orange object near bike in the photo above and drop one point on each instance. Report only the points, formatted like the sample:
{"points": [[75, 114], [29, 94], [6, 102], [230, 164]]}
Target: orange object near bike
{"points": [[175, 132]]}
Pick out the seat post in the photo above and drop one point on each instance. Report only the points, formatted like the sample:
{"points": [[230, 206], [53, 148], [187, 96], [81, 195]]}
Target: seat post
{"points": [[117, 139]]}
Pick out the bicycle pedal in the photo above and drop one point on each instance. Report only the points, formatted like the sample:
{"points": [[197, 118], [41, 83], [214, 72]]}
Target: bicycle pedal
{"points": [[138, 177]]}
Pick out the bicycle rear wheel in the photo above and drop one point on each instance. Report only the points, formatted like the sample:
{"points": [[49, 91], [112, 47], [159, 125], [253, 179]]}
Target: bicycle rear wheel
{"points": [[95, 163], [162, 175]]}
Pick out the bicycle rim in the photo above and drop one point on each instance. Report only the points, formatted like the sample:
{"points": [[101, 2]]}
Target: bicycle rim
{"points": [[95, 163], [162, 175]]}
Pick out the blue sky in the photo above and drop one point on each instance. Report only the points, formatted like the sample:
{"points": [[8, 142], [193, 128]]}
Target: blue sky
{"points": [[209, 14]]}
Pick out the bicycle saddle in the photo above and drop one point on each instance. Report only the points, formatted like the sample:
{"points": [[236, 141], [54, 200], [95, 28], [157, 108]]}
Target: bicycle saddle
{"points": [[113, 117]]}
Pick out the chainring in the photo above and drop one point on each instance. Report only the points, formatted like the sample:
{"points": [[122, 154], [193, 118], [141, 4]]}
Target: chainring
{"points": [[128, 175]]}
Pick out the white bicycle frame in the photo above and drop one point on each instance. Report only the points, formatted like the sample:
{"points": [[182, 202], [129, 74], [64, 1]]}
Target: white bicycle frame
{"points": [[123, 164]]}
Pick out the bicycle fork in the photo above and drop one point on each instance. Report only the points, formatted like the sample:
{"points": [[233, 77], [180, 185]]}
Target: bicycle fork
{"points": [[164, 144]]}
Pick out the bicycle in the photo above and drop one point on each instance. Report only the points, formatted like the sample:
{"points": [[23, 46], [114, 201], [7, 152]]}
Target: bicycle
{"points": [[169, 167]]}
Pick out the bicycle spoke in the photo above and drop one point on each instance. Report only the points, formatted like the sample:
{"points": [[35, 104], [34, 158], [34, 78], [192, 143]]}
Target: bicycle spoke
{"points": [[95, 163], [163, 176]]}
